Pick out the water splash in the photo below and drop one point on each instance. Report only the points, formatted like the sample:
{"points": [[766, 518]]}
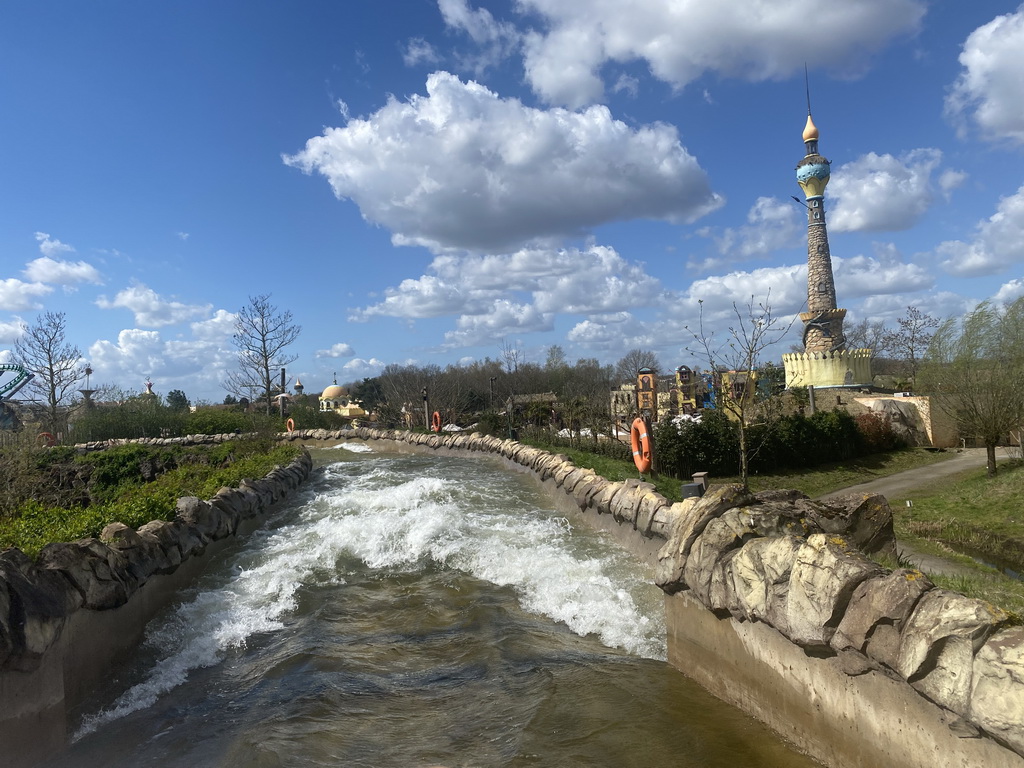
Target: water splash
{"points": [[404, 515]]}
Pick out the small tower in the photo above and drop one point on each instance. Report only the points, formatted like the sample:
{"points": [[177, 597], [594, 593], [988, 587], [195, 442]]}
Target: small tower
{"points": [[825, 361], [298, 387]]}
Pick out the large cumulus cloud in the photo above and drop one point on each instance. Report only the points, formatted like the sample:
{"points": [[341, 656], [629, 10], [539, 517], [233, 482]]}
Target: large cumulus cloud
{"points": [[462, 168]]}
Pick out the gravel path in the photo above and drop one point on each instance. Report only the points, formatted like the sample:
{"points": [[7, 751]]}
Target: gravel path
{"points": [[896, 487]]}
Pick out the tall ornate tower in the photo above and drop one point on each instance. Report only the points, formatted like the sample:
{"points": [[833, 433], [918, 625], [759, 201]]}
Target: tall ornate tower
{"points": [[823, 322], [825, 361]]}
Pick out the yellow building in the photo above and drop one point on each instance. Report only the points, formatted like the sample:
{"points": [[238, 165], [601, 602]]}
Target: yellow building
{"points": [[336, 399]]}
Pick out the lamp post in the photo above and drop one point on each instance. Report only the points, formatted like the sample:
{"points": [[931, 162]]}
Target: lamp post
{"points": [[426, 409]]}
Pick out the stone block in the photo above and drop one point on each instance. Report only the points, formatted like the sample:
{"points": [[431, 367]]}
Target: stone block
{"points": [[997, 688], [826, 572], [937, 647]]}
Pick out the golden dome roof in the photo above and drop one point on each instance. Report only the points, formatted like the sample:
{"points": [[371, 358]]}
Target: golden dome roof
{"points": [[334, 392], [810, 130]]}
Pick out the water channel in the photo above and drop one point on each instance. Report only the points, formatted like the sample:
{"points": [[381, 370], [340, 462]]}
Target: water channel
{"points": [[415, 611]]}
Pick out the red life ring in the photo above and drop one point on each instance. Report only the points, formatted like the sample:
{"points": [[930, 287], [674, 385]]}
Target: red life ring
{"points": [[45, 438], [290, 424], [641, 443], [435, 422]]}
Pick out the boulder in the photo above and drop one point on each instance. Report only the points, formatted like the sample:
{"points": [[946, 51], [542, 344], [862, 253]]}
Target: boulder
{"points": [[650, 503], [668, 517], [760, 574], [672, 556], [826, 572], [937, 647], [39, 602], [997, 690], [208, 520], [99, 573], [878, 612], [865, 519], [721, 535]]}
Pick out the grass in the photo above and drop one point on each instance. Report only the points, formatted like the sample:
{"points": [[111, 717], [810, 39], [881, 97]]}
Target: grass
{"points": [[826, 478], [814, 482], [970, 514], [37, 524]]}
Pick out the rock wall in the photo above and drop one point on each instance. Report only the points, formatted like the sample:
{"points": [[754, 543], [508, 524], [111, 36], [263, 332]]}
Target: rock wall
{"points": [[66, 618], [774, 606]]}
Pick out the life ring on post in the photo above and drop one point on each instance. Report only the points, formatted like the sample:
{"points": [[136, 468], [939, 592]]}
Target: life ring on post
{"points": [[435, 422], [641, 443], [46, 439], [290, 425]]}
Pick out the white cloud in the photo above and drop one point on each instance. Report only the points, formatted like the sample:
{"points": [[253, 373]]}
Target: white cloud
{"points": [[497, 295], [865, 276], [46, 269], [337, 350], [998, 242], [495, 39], [883, 193], [427, 296], [218, 328], [190, 365], [183, 235], [612, 335], [363, 368], [950, 180], [11, 331], [419, 51], [53, 247], [990, 90], [462, 168], [751, 39], [784, 288], [505, 318], [150, 309], [17, 295], [1010, 291], [771, 224]]}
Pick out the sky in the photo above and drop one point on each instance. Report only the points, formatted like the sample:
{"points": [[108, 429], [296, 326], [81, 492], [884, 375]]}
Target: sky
{"points": [[429, 181]]}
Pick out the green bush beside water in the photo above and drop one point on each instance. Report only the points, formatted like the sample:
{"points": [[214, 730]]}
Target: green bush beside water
{"points": [[118, 489]]}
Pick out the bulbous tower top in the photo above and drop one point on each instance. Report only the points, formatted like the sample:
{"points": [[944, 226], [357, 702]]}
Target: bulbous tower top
{"points": [[813, 172]]}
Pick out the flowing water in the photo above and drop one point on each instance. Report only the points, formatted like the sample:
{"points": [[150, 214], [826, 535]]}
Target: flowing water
{"points": [[415, 611]]}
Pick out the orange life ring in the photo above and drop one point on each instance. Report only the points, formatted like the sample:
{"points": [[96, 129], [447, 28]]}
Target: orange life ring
{"points": [[435, 422], [45, 438], [290, 425], [641, 443]]}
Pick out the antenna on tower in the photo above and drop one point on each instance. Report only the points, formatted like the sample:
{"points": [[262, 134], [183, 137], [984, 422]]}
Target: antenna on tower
{"points": [[807, 87]]}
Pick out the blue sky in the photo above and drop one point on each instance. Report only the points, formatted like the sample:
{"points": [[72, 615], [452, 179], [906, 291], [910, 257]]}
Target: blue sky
{"points": [[427, 180]]}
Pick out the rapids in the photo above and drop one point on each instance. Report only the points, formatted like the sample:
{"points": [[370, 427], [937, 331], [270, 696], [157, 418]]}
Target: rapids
{"points": [[414, 611]]}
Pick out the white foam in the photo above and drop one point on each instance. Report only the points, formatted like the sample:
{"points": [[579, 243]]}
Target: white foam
{"points": [[390, 522], [352, 447]]}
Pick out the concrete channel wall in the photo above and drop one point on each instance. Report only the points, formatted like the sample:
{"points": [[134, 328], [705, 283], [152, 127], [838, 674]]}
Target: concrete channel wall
{"points": [[772, 605], [68, 618]]}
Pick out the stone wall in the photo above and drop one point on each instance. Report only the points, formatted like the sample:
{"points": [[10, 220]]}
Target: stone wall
{"points": [[773, 605], [67, 618]]}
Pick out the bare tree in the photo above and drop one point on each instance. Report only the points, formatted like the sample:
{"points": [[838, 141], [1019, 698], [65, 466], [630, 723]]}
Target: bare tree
{"points": [[909, 342], [262, 336], [44, 350], [867, 334], [975, 367], [626, 369], [738, 352]]}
